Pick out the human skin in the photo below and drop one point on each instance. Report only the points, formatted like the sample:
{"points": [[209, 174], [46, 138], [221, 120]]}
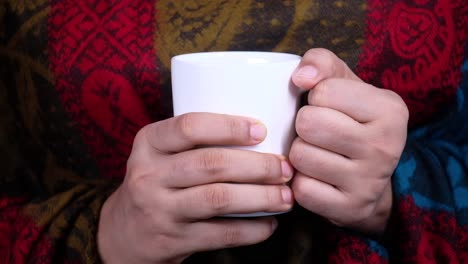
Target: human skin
{"points": [[166, 208], [350, 138]]}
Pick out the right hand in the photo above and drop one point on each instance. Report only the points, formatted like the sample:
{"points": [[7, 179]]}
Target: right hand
{"points": [[166, 208]]}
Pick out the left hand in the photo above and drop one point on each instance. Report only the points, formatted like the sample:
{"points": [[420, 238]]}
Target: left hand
{"points": [[350, 139]]}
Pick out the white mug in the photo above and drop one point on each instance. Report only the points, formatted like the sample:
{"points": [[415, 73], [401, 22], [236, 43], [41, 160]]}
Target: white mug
{"points": [[242, 83]]}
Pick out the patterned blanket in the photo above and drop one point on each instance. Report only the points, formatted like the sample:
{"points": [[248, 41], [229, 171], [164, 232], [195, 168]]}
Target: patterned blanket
{"points": [[79, 78]]}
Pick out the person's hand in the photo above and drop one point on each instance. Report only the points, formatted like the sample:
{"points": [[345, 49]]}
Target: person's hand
{"points": [[350, 138], [166, 207]]}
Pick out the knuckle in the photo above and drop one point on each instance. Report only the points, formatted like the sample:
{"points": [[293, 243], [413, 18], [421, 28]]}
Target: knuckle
{"points": [[365, 199], [361, 214], [392, 158], [186, 124], [323, 54], [318, 96], [137, 188], [375, 150], [213, 161], [272, 197], [136, 184], [402, 111], [397, 105], [141, 134], [330, 63], [329, 60], [363, 205], [303, 120], [144, 135], [165, 243], [132, 165], [268, 165], [151, 135], [388, 156], [232, 236], [180, 166], [218, 197], [296, 155], [234, 127]]}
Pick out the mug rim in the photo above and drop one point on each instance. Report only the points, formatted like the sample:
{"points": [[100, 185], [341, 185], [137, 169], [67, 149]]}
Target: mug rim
{"points": [[236, 57]]}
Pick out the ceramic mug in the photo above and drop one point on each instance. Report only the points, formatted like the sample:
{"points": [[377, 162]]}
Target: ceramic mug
{"points": [[242, 83]]}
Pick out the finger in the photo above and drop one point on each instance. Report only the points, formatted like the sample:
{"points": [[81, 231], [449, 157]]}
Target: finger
{"points": [[227, 233], [321, 164], [318, 197], [331, 130], [320, 64], [210, 165], [189, 130], [360, 101], [203, 202]]}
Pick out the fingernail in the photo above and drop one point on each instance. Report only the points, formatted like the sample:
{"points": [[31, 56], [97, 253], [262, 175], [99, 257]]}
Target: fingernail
{"points": [[257, 131], [274, 224], [286, 169], [287, 195], [308, 72]]}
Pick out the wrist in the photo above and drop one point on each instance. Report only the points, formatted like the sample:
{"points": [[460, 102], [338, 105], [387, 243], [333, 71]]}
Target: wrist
{"points": [[107, 237], [376, 223], [115, 245]]}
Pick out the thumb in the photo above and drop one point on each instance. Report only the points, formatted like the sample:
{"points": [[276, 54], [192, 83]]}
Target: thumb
{"points": [[320, 64]]}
